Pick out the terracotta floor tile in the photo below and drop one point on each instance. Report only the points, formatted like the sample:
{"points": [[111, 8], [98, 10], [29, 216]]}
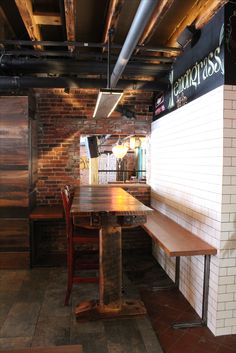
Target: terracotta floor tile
{"points": [[229, 341], [169, 337], [168, 306], [225, 349], [185, 344]]}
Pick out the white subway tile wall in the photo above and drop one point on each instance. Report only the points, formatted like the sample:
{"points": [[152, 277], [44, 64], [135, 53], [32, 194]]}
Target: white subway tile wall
{"points": [[192, 172]]}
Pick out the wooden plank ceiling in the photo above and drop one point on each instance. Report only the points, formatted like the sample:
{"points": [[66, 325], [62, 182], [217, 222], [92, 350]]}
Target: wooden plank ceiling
{"points": [[86, 24]]}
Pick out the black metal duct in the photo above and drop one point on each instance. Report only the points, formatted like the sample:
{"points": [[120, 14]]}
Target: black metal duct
{"points": [[16, 82], [85, 45], [62, 66]]}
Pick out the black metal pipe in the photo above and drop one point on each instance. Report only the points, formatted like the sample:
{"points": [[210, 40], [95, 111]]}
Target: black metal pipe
{"points": [[85, 44], [59, 66], [25, 82], [96, 56], [109, 59]]}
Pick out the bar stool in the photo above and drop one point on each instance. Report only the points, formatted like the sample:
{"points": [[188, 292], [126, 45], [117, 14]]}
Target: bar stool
{"points": [[76, 236]]}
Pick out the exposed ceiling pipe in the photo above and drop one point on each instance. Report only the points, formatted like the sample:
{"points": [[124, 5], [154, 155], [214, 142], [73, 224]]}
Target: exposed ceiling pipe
{"points": [[139, 23], [86, 44], [25, 82], [59, 66], [81, 56]]}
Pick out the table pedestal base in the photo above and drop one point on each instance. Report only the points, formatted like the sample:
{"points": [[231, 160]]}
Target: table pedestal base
{"points": [[91, 310]]}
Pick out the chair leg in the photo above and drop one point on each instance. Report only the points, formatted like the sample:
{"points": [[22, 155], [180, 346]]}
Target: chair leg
{"points": [[69, 277]]}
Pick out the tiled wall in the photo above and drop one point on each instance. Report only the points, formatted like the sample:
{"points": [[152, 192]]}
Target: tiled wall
{"points": [[186, 180], [226, 315]]}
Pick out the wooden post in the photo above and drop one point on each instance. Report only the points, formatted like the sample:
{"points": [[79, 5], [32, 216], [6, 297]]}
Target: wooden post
{"points": [[110, 278], [93, 171]]}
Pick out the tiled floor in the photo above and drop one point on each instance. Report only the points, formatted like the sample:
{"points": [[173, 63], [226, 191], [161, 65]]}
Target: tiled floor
{"points": [[168, 306], [32, 314]]}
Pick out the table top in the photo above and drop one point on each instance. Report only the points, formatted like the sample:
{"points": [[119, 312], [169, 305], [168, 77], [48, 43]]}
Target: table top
{"points": [[115, 200]]}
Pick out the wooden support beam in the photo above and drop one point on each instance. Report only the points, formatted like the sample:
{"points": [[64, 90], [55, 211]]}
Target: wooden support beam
{"points": [[6, 30], [70, 15], [158, 15], [47, 18], [200, 14], [208, 12], [113, 14], [26, 12]]}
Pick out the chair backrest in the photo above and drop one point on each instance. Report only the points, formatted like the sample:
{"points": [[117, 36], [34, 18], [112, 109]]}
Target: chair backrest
{"points": [[67, 199], [70, 192]]}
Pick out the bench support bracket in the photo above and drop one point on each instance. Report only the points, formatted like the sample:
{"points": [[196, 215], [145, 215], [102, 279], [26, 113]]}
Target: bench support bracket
{"points": [[203, 321], [172, 285]]}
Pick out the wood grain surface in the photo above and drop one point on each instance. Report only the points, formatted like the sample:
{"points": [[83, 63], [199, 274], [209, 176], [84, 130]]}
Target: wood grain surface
{"points": [[113, 200], [174, 239], [16, 193]]}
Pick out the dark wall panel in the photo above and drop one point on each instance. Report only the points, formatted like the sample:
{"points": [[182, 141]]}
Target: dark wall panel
{"points": [[14, 235], [14, 131], [14, 188], [14, 260], [15, 177]]}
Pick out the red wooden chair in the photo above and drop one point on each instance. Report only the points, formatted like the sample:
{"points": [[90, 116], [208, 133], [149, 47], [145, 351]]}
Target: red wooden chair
{"points": [[76, 236]]}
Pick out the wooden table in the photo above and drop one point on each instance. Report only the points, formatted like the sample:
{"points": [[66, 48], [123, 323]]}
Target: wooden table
{"points": [[110, 208]]}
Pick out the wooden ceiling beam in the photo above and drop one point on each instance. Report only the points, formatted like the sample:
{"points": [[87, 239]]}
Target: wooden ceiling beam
{"points": [[200, 14], [158, 15], [206, 14], [6, 29], [26, 11], [47, 18], [70, 16], [113, 15]]}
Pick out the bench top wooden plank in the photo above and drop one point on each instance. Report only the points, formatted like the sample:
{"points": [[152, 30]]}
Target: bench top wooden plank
{"points": [[47, 212], [56, 349], [174, 239]]}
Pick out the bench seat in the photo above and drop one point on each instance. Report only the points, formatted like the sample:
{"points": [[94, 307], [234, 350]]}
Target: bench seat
{"points": [[55, 349], [42, 214], [47, 212], [178, 241], [174, 239]]}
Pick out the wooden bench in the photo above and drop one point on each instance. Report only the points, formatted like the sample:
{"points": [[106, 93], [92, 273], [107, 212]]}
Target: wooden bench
{"points": [[46, 213], [56, 349], [42, 214], [177, 241]]}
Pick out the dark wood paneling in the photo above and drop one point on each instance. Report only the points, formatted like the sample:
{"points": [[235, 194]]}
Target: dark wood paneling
{"points": [[15, 159], [14, 131], [14, 235], [14, 105], [14, 188], [14, 212], [14, 260], [33, 163]]}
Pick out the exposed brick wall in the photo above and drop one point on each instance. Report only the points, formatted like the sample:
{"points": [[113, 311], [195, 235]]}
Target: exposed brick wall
{"points": [[62, 118]]}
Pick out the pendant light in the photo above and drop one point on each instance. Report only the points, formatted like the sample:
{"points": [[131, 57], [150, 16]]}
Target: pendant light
{"points": [[119, 150]]}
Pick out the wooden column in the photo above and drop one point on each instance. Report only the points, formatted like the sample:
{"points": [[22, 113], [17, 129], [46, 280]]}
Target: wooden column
{"points": [[110, 278]]}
